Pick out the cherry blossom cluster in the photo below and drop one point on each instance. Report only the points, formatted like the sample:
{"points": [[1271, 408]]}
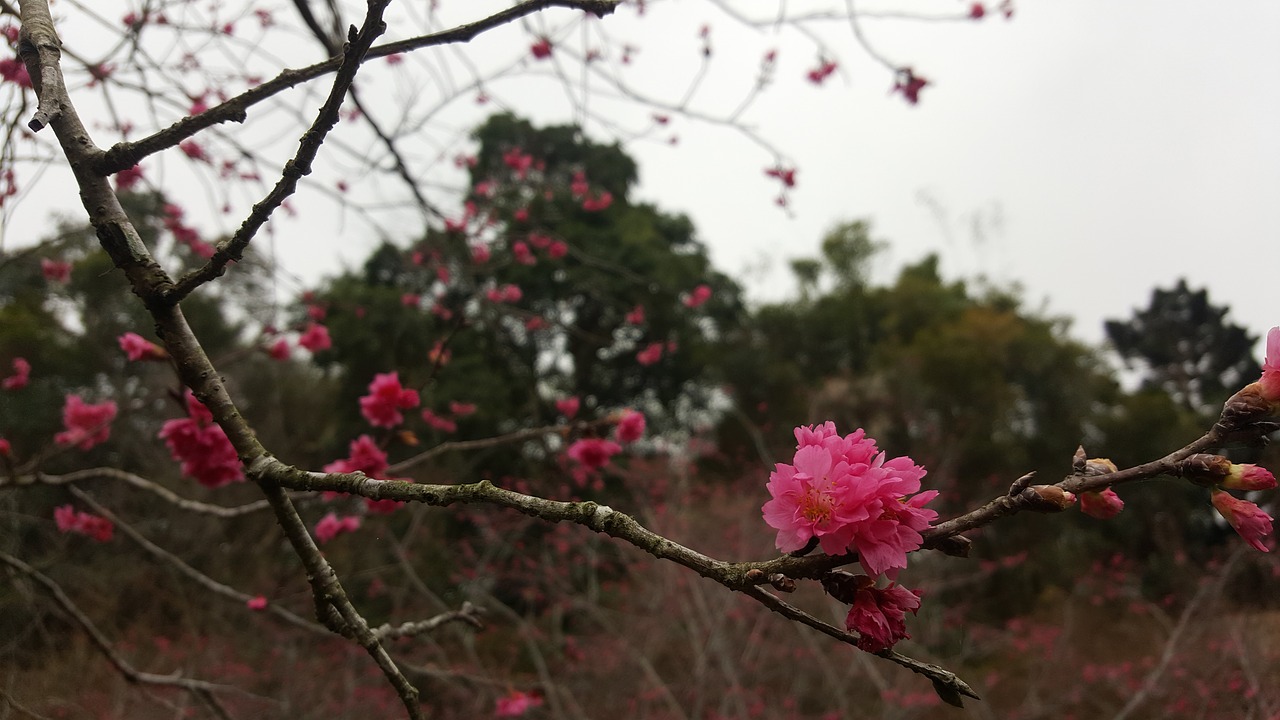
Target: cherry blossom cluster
{"points": [[202, 447], [86, 425], [70, 520], [842, 494]]}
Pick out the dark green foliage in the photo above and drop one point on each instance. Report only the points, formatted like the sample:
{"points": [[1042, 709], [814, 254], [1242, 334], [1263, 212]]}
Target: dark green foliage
{"points": [[1185, 346]]}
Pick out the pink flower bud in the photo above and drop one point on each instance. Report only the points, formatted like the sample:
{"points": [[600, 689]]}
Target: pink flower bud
{"points": [[1103, 505], [1248, 519]]}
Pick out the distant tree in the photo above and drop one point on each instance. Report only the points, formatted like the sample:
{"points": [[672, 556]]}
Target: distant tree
{"points": [[1185, 346]]}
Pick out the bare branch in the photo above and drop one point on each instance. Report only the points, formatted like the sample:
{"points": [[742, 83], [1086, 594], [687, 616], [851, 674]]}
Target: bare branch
{"points": [[125, 155], [103, 644], [139, 482]]}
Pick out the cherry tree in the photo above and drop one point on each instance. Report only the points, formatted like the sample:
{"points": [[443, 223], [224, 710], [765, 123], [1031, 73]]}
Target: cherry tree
{"points": [[197, 100]]}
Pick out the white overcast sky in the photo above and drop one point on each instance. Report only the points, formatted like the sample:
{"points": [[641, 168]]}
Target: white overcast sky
{"points": [[1088, 150]]}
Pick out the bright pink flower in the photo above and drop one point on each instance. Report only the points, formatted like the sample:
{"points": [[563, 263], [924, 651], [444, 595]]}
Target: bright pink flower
{"points": [[593, 452], [381, 407], [87, 425], [364, 456], [410, 300], [69, 520], [635, 316], [20, 377], [523, 254], [977, 11], [5, 448], [316, 338], [202, 447], [568, 407], [139, 348], [1103, 505], [279, 350], [879, 615], [521, 215], [541, 50], [127, 178], [194, 150], [505, 294], [480, 254], [700, 295], [461, 409], [1271, 367], [557, 249], [579, 186], [1248, 519], [650, 355], [843, 492], [331, 526], [441, 424], [631, 427], [14, 70], [599, 202], [58, 271], [516, 703], [256, 602], [540, 241]]}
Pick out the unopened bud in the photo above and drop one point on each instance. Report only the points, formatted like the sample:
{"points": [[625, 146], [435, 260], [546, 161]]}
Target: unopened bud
{"points": [[1204, 469], [1247, 406], [1048, 498], [782, 583], [1248, 477], [1099, 466], [755, 576], [844, 586], [1078, 459]]}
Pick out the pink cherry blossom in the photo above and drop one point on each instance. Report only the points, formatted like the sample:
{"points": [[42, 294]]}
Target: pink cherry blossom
{"points": [[700, 295], [256, 602], [516, 703], [1248, 519], [364, 456], [5, 448], [909, 84], [1104, 504], [635, 316], [557, 249], [331, 526], [879, 616], [127, 178], [600, 202], [630, 427], [137, 347], [844, 492], [480, 254], [819, 75], [568, 407], [461, 409], [1244, 476], [20, 377], [279, 350], [87, 425], [202, 447], [593, 453], [523, 254], [650, 355], [1270, 381], [316, 338], [386, 398], [541, 50], [56, 271], [441, 424], [69, 520]]}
